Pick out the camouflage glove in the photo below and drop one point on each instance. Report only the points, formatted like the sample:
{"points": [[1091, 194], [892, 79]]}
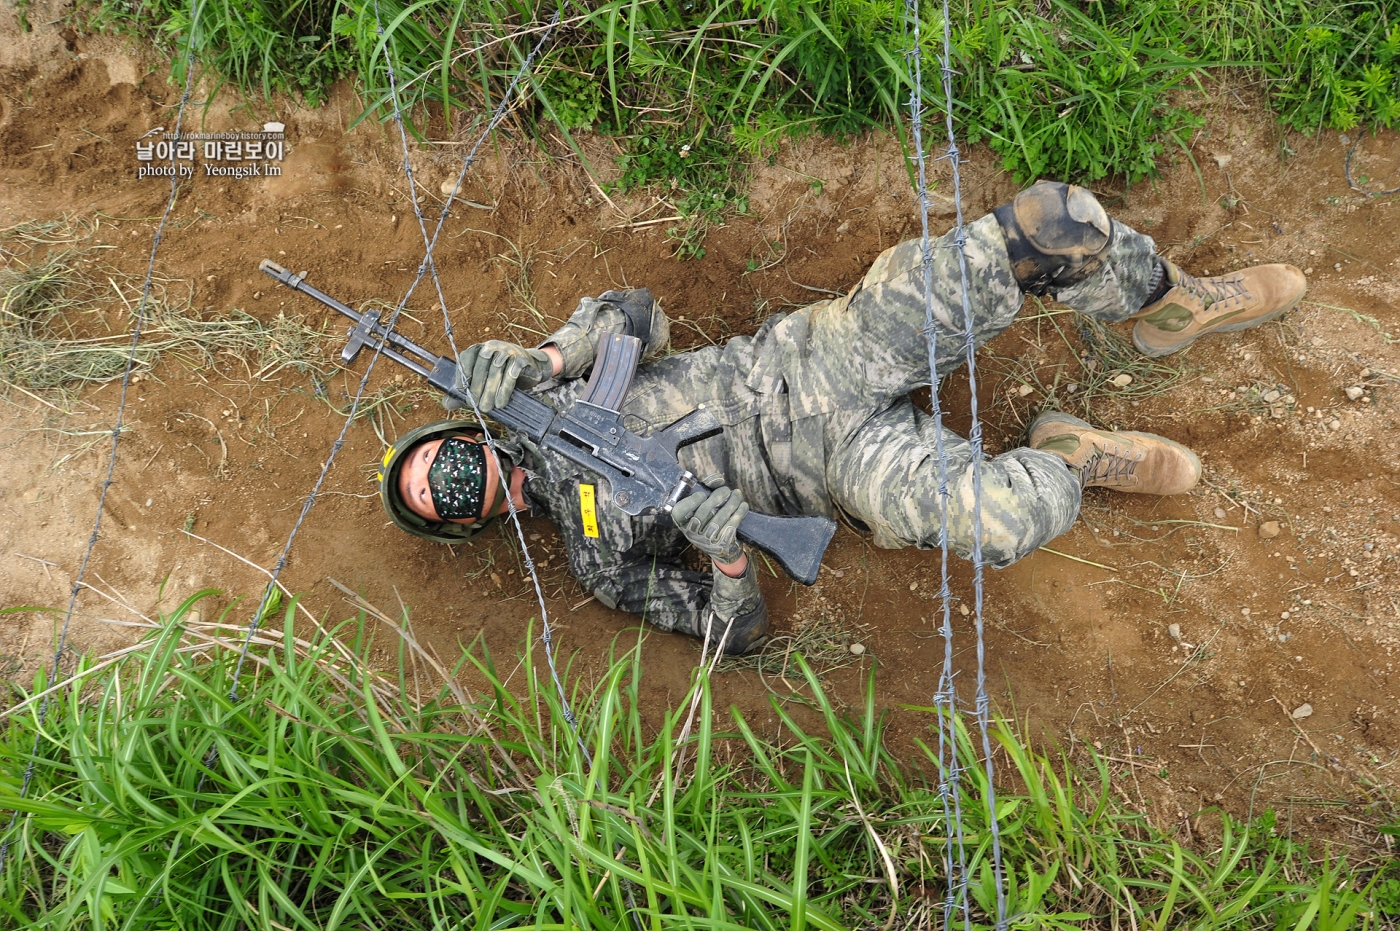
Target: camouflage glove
{"points": [[710, 521], [490, 371]]}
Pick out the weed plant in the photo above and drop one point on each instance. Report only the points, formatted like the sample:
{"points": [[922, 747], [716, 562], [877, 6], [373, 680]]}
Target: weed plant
{"points": [[328, 794]]}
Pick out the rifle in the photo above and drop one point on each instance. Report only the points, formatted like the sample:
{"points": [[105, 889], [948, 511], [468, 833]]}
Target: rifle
{"points": [[643, 472]]}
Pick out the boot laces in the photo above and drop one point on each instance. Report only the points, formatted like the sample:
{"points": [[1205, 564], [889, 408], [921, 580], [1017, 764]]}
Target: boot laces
{"points": [[1222, 289], [1108, 466]]}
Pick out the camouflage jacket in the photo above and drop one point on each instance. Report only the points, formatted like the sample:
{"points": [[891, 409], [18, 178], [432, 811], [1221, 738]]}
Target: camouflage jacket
{"points": [[635, 564]]}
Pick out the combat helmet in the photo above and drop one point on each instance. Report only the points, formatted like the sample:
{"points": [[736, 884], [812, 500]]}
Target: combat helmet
{"points": [[388, 478]]}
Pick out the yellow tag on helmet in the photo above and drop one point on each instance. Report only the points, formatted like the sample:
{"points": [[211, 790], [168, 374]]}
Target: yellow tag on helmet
{"points": [[588, 506]]}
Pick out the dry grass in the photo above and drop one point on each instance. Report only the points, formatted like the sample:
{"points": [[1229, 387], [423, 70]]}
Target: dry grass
{"points": [[1088, 372], [66, 321]]}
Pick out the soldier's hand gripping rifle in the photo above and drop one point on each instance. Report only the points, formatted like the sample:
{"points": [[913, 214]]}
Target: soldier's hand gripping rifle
{"points": [[643, 472]]}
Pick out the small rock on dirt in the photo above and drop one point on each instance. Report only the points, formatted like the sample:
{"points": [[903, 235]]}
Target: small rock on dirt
{"points": [[1269, 529], [962, 609], [843, 228], [1302, 711], [1219, 513], [1272, 395], [1354, 392], [1024, 391], [857, 648], [1123, 381], [1222, 160], [1174, 631]]}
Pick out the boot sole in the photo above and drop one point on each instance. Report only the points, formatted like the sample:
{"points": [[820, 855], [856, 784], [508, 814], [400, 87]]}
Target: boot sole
{"points": [[1158, 351]]}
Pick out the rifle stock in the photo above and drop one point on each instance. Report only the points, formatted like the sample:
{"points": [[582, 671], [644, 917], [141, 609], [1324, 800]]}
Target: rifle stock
{"points": [[795, 543]]}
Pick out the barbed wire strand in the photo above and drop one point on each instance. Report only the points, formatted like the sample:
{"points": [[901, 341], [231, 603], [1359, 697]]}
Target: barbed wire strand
{"points": [[974, 438], [354, 410], [139, 319], [546, 635], [945, 699]]}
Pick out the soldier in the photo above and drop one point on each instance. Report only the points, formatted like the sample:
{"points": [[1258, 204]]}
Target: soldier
{"points": [[817, 418]]}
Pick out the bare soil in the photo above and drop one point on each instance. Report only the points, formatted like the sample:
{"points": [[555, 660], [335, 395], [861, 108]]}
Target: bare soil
{"points": [[1080, 645]]}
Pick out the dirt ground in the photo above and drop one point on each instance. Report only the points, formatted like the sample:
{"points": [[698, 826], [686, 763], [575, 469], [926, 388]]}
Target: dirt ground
{"points": [[1171, 633]]}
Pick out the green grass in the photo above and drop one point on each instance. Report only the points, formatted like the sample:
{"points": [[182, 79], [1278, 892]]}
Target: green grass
{"points": [[1041, 86], [1076, 91], [352, 796]]}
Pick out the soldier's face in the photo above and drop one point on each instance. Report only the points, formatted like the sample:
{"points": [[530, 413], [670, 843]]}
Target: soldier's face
{"points": [[413, 482]]}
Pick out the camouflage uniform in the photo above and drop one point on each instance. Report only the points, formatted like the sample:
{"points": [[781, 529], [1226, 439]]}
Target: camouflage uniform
{"points": [[818, 421]]}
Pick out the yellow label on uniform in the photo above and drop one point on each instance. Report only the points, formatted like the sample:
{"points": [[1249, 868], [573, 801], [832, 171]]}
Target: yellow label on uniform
{"points": [[588, 506]]}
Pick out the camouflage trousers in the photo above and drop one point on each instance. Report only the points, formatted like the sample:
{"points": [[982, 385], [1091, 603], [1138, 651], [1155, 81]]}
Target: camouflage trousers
{"points": [[816, 411], [886, 473]]}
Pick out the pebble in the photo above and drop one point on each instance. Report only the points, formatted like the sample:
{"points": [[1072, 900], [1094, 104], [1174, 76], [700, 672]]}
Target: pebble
{"points": [[1308, 270], [1123, 381], [1302, 711], [1354, 392], [843, 228], [1272, 395], [1337, 267], [1174, 631], [913, 585], [1219, 513], [1269, 529], [1334, 425], [1284, 615], [857, 648], [1365, 373], [1244, 611], [450, 188], [963, 610], [1024, 391]]}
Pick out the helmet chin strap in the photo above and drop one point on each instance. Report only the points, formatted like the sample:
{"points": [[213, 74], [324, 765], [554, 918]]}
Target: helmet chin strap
{"points": [[502, 487]]}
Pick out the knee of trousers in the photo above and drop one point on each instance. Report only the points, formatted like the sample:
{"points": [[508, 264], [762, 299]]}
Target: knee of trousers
{"points": [[1028, 498], [1056, 235]]}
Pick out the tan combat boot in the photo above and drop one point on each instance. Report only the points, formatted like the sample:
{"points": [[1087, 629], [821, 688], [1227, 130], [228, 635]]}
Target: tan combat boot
{"points": [[1137, 462], [1196, 306]]}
